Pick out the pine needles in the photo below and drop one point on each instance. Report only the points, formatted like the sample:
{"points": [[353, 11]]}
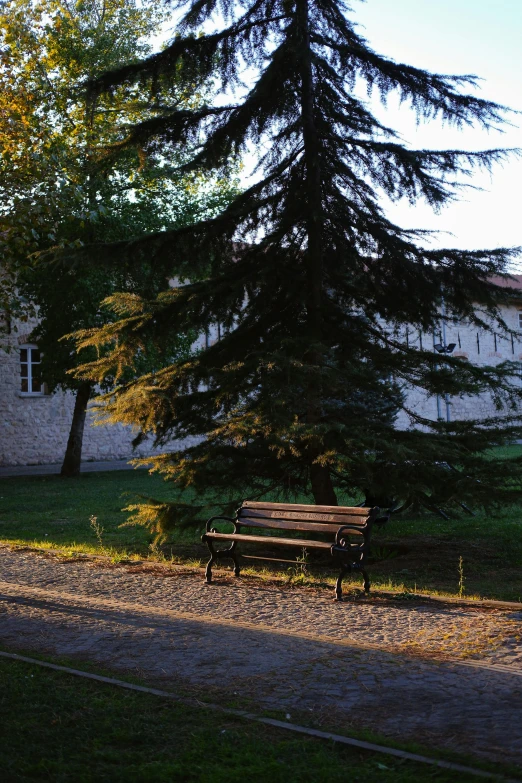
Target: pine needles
{"points": [[314, 289]]}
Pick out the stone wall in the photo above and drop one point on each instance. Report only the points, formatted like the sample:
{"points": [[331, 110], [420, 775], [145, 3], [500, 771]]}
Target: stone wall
{"points": [[34, 428]]}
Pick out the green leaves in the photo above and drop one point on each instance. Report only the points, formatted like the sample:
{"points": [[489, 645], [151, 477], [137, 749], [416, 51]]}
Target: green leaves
{"points": [[59, 193]]}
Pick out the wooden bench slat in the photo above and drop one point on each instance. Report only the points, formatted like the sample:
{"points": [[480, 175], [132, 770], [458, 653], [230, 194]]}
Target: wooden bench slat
{"points": [[304, 516], [291, 524], [270, 540], [352, 510]]}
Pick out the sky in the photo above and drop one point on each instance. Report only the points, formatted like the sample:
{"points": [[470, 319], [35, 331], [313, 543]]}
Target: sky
{"points": [[482, 37]]}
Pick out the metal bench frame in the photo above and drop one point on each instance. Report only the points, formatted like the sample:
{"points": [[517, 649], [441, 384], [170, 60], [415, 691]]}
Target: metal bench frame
{"points": [[279, 517]]}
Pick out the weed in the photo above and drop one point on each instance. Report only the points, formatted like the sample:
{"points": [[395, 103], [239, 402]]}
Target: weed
{"points": [[97, 529], [157, 552], [461, 577], [383, 553], [299, 571]]}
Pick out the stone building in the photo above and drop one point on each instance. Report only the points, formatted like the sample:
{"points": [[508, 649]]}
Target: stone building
{"points": [[34, 425]]}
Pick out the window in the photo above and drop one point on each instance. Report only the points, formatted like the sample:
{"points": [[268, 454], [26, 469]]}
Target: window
{"points": [[30, 380]]}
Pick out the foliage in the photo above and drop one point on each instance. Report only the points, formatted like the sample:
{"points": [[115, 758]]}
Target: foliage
{"points": [[313, 285], [55, 190]]}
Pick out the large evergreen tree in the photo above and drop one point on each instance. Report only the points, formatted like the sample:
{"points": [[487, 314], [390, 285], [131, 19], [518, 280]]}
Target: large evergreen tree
{"points": [[310, 281]]}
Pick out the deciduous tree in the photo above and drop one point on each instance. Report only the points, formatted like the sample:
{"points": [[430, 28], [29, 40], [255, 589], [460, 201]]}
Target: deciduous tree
{"points": [[57, 192]]}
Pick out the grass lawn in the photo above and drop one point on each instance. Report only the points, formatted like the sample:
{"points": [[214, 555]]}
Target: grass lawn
{"points": [[411, 554], [55, 511], [57, 727]]}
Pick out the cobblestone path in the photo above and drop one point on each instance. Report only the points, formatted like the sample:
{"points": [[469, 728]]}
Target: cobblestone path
{"points": [[442, 675]]}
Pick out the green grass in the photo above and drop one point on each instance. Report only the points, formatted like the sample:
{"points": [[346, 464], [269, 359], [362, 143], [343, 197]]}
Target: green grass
{"points": [[57, 727], [413, 554], [56, 511], [508, 452], [428, 550]]}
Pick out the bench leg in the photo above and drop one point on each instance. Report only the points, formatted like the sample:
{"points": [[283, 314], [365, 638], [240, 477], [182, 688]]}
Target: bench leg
{"points": [[230, 552], [237, 569], [208, 570], [345, 569], [219, 554]]}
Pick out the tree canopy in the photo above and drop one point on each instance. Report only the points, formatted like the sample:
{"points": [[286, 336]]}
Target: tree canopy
{"points": [[58, 192], [311, 282]]}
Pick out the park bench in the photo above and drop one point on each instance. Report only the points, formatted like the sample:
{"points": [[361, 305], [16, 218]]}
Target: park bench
{"points": [[344, 533]]}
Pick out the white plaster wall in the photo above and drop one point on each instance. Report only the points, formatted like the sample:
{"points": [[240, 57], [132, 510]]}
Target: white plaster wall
{"points": [[476, 346]]}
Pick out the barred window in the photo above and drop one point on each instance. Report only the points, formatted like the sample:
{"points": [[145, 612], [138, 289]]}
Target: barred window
{"points": [[30, 379]]}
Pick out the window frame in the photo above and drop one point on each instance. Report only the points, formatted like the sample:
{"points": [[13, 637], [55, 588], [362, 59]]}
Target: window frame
{"points": [[30, 347]]}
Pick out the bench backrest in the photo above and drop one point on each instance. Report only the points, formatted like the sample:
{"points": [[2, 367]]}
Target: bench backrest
{"points": [[293, 516]]}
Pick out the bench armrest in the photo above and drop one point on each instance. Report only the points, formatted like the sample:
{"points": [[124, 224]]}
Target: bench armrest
{"points": [[346, 529], [209, 529]]}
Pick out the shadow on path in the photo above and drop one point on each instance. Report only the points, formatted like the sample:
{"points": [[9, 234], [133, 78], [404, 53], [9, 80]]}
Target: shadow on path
{"points": [[437, 703]]}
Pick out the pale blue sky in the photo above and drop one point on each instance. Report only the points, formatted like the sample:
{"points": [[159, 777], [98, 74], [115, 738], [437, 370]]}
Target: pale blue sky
{"points": [[481, 37], [459, 36]]}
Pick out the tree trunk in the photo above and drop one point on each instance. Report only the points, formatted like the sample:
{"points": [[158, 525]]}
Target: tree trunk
{"points": [[322, 487], [320, 478], [73, 452]]}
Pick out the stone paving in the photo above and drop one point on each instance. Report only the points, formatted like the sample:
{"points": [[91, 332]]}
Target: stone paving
{"points": [[442, 675]]}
